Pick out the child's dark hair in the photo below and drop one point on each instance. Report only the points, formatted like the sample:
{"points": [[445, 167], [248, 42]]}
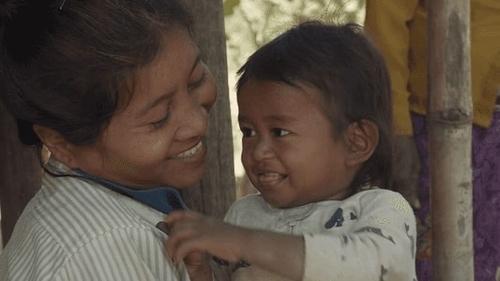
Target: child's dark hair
{"points": [[350, 74], [69, 65]]}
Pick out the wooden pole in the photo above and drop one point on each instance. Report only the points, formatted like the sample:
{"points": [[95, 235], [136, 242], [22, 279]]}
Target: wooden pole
{"points": [[217, 190], [20, 174], [450, 128]]}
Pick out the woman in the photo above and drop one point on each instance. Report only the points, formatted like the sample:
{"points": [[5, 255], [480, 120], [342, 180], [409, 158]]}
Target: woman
{"points": [[117, 92]]}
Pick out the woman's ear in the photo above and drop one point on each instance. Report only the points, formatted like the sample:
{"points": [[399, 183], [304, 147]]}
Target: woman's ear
{"points": [[361, 140], [58, 146]]}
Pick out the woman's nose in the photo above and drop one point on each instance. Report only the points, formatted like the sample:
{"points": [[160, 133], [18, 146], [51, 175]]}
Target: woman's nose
{"points": [[195, 113], [194, 121]]}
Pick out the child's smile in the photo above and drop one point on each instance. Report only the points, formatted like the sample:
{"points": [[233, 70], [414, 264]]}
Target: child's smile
{"points": [[270, 178]]}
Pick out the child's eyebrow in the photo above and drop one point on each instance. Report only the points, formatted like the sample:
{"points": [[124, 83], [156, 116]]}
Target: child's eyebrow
{"points": [[270, 118], [279, 118]]}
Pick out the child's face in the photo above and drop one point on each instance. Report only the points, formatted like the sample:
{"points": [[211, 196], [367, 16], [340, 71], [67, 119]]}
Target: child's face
{"points": [[290, 152], [156, 138]]}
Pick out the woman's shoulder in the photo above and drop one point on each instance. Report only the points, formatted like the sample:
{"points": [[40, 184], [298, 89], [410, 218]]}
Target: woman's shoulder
{"points": [[70, 220], [75, 212]]}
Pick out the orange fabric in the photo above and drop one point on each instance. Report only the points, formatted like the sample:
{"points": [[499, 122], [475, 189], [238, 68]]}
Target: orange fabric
{"points": [[399, 30]]}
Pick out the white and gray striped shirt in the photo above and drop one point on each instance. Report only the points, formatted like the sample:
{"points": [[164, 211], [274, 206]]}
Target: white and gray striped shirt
{"points": [[78, 230]]}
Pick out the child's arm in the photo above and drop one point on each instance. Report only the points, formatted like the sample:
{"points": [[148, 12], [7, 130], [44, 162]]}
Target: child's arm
{"points": [[379, 246], [279, 253]]}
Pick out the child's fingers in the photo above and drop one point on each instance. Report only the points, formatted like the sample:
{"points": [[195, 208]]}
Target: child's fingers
{"points": [[171, 219], [175, 216], [177, 234], [186, 247]]}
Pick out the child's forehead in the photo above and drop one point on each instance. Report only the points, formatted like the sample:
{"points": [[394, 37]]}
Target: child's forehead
{"points": [[279, 98], [263, 91]]}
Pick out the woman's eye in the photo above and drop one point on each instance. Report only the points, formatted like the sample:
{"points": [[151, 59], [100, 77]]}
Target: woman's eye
{"points": [[158, 124], [247, 132], [195, 84], [278, 132]]}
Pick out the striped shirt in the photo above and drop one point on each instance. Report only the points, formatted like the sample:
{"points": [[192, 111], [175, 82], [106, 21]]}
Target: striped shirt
{"points": [[75, 229]]}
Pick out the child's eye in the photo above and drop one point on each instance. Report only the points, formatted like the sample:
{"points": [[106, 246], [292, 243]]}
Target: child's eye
{"points": [[158, 124], [278, 132], [247, 132], [195, 84]]}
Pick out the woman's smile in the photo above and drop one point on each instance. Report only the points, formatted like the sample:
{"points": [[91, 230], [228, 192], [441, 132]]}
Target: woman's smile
{"points": [[191, 153]]}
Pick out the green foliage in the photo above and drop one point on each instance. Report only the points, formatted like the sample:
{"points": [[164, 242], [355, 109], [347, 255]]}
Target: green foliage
{"points": [[229, 6], [252, 23]]}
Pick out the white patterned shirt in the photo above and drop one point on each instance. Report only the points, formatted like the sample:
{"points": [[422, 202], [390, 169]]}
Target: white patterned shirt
{"points": [[75, 230], [369, 236]]}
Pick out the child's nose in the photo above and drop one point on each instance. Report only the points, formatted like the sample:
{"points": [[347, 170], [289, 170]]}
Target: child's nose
{"points": [[263, 149]]}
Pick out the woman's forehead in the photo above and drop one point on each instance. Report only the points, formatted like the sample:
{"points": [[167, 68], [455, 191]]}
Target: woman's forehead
{"points": [[167, 73]]}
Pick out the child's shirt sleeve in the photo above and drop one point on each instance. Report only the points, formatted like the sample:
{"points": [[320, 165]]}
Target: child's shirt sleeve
{"points": [[379, 246]]}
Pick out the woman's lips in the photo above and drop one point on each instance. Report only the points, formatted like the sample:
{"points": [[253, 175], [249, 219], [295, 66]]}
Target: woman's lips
{"points": [[190, 152]]}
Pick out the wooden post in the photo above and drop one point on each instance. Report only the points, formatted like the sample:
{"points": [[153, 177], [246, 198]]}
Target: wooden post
{"points": [[450, 128], [217, 189], [20, 173]]}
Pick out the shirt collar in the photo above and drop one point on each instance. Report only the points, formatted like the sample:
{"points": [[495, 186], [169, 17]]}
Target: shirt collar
{"points": [[162, 198]]}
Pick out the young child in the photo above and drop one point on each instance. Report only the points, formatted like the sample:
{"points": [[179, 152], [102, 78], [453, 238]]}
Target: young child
{"points": [[314, 109]]}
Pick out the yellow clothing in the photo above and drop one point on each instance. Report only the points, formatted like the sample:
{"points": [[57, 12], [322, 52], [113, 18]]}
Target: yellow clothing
{"points": [[399, 29]]}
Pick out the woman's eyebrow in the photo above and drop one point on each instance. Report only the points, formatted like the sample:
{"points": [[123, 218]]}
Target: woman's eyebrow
{"points": [[154, 103], [196, 62]]}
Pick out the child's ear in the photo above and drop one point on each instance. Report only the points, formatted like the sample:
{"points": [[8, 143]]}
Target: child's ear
{"points": [[361, 140], [58, 146]]}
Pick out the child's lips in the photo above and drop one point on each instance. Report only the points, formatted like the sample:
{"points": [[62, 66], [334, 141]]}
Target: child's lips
{"points": [[270, 178]]}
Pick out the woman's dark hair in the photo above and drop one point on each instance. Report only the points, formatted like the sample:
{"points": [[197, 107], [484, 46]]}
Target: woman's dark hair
{"points": [[350, 74], [69, 65]]}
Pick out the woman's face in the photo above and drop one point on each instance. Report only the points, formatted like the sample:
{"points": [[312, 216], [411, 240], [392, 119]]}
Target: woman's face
{"points": [[157, 138]]}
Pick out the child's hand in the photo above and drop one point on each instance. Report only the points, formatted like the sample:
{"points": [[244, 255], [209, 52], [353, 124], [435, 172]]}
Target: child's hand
{"points": [[191, 234]]}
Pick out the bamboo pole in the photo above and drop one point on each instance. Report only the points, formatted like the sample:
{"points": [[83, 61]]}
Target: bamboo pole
{"points": [[450, 128]]}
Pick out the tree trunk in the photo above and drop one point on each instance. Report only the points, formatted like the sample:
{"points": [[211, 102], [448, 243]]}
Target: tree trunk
{"points": [[217, 190], [19, 174], [450, 127]]}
